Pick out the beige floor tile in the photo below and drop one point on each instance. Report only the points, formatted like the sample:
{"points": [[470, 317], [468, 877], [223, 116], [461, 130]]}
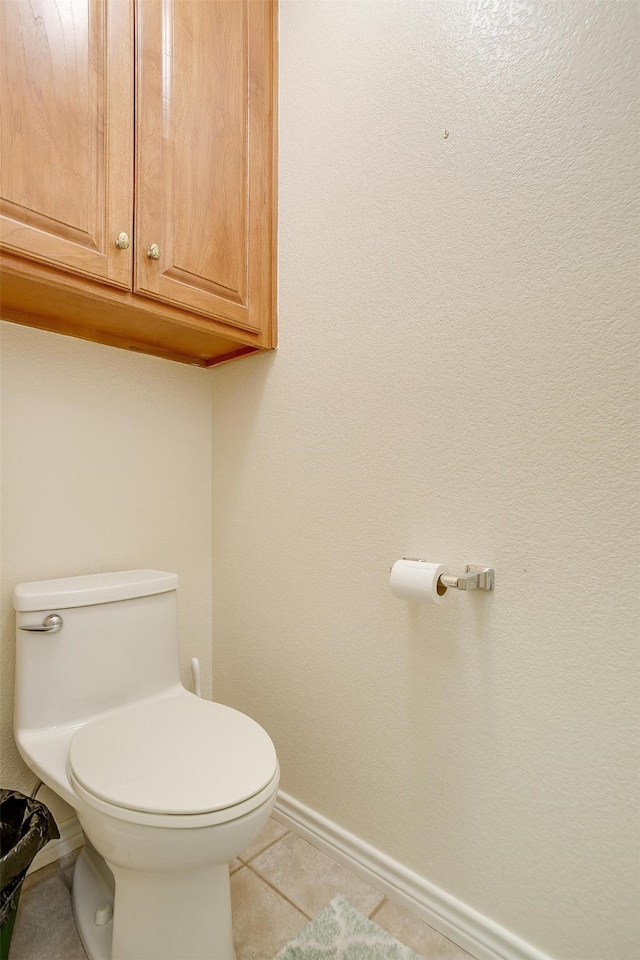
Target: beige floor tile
{"points": [[39, 876], [271, 832], [45, 928], [235, 865], [310, 879], [418, 936], [262, 921], [62, 868]]}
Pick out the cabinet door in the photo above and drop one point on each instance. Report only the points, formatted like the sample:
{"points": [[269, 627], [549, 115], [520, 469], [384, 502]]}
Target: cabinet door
{"points": [[66, 162], [205, 157]]}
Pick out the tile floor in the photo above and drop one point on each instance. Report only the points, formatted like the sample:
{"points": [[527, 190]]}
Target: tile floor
{"points": [[278, 884]]}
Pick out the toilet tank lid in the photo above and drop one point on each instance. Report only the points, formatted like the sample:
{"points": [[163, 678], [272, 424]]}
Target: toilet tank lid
{"points": [[91, 589]]}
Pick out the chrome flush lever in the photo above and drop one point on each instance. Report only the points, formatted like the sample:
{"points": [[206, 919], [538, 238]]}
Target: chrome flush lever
{"points": [[51, 624]]}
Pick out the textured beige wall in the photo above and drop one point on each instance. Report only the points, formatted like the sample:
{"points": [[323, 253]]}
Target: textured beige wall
{"points": [[106, 465], [454, 381]]}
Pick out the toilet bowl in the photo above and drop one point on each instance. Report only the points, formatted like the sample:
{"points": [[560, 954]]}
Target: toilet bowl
{"points": [[168, 788]]}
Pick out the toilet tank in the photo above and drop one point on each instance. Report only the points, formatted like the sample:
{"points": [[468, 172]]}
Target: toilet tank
{"points": [[118, 644]]}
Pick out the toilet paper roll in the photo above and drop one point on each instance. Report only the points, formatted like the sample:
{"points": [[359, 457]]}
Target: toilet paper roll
{"points": [[417, 580]]}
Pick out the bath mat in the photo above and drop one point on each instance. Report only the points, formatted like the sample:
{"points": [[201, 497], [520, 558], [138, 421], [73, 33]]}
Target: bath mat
{"points": [[341, 933]]}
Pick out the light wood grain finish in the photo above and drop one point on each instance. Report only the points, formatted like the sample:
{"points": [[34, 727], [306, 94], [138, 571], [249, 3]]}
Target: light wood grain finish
{"points": [[204, 176], [204, 160], [39, 297], [66, 96]]}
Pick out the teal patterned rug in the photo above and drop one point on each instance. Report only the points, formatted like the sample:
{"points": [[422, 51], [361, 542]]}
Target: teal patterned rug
{"points": [[341, 933]]}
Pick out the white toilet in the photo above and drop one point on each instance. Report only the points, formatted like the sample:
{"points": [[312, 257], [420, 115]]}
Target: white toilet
{"points": [[168, 788]]}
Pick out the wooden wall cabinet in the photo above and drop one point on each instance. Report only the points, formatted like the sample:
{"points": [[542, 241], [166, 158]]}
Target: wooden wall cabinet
{"points": [[137, 173]]}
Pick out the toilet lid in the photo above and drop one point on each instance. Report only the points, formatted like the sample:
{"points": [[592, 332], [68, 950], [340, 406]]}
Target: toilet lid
{"points": [[176, 755]]}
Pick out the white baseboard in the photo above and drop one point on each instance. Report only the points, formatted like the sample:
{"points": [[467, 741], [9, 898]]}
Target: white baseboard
{"points": [[472, 931], [71, 837]]}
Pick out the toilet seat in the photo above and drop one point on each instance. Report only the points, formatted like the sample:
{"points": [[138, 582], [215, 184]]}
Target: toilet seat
{"points": [[175, 758]]}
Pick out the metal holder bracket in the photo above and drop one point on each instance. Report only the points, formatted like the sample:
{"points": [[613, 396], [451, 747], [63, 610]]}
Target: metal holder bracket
{"points": [[475, 578]]}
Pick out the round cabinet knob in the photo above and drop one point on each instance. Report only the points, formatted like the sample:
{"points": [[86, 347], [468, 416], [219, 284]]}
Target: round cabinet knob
{"points": [[123, 241], [154, 252]]}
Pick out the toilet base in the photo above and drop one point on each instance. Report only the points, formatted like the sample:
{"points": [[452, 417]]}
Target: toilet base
{"points": [[92, 887], [173, 916], [198, 927]]}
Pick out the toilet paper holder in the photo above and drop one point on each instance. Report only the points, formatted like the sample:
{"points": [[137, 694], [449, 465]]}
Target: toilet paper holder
{"points": [[474, 578]]}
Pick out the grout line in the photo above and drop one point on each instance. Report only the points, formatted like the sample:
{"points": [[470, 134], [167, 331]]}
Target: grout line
{"points": [[376, 909], [268, 847], [248, 863], [33, 880], [279, 892]]}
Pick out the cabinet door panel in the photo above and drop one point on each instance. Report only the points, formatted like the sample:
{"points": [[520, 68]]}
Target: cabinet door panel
{"points": [[204, 160], [66, 163]]}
